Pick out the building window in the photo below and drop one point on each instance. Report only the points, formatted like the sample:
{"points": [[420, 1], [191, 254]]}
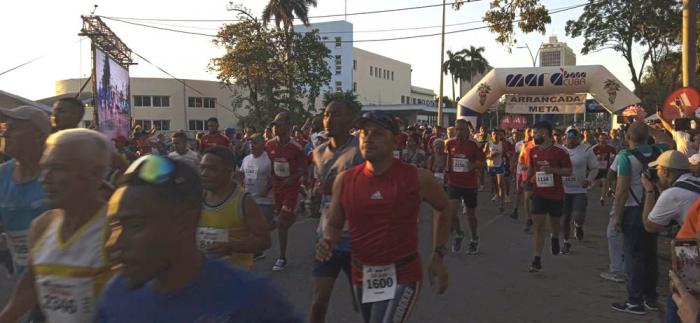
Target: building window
{"points": [[337, 60], [379, 74], [145, 124], [338, 70], [414, 100], [87, 124], [371, 70], [210, 103], [392, 75], [142, 100], [338, 86], [385, 73], [161, 101], [354, 65], [197, 125], [194, 102], [338, 41], [403, 98], [162, 125], [354, 86]]}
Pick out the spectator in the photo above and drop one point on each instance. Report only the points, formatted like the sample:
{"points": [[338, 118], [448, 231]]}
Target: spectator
{"points": [[588, 138], [451, 132], [214, 137], [682, 138], [615, 139], [67, 113]]}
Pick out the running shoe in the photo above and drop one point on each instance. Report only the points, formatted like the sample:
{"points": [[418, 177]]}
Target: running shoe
{"points": [[528, 226], [514, 215], [280, 264], [259, 256], [473, 247], [651, 306], [613, 276], [536, 266], [494, 198], [457, 243], [555, 246], [628, 307], [579, 233], [566, 249]]}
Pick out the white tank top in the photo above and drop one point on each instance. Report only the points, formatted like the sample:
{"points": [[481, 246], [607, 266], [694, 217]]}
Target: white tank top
{"points": [[495, 149], [70, 274]]}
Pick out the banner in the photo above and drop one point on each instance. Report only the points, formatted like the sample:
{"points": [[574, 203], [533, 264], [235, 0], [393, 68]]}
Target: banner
{"points": [[546, 104], [513, 122], [112, 99]]}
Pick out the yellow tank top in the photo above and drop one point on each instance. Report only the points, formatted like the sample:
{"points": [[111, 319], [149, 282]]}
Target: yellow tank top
{"points": [[70, 274], [223, 223]]}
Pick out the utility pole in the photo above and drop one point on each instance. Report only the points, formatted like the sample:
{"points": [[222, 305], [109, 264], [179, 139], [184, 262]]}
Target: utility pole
{"points": [[690, 26], [442, 58]]}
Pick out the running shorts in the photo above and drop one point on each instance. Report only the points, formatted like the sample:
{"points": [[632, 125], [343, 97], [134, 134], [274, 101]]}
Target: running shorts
{"points": [[542, 205], [340, 261], [498, 170], [577, 202], [466, 195], [396, 310], [286, 202]]}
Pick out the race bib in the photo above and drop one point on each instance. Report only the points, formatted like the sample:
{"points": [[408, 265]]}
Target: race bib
{"points": [[397, 154], [543, 179], [18, 243], [281, 168], [378, 283], [251, 172], [570, 182], [207, 236], [460, 165], [66, 299]]}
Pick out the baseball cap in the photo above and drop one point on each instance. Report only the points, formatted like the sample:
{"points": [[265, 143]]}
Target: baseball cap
{"points": [[383, 118], [513, 130], [280, 119], [572, 128], [29, 113], [256, 138], [672, 159]]}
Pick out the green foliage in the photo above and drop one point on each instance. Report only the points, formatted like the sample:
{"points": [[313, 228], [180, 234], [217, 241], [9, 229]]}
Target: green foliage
{"points": [[531, 16], [284, 11], [347, 96]]}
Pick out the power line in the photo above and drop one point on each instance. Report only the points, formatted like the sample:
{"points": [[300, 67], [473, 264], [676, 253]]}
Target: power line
{"points": [[31, 60]]}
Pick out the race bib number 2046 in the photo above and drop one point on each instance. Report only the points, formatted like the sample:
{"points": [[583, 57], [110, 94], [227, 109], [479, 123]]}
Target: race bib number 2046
{"points": [[378, 283]]}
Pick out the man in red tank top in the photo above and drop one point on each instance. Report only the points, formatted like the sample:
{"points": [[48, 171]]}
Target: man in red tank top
{"points": [[288, 166], [380, 200], [546, 164], [464, 159]]}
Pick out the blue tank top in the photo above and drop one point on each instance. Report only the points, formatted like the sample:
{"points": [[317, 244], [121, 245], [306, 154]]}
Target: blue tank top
{"points": [[20, 204]]}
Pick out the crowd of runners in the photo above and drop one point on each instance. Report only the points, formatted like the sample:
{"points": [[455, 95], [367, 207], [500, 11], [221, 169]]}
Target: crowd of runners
{"points": [[146, 229]]}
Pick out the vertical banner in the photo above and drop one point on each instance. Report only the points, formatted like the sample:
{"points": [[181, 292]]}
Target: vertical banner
{"points": [[111, 95]]}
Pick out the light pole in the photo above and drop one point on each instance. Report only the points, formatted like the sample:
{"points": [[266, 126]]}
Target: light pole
{"points": [[442, 58], [690, 12], [534, 58]]}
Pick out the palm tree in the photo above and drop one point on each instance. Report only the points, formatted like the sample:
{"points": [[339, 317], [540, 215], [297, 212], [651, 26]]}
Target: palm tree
{"points": [[474, 62], [455, 66]]}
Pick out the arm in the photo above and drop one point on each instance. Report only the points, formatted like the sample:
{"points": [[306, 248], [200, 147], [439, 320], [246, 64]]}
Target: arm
{"points": [[592, 167], [649, 203], [667, 125], [432, 192], [258, 227], [621, 195], [336, 221], [661, 137]]}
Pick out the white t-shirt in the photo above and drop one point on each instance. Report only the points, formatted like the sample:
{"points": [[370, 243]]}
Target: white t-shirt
{"points": [[258, 178], [496, 151], [584, 164], [674, 203], [682, 140], [190, 158]]}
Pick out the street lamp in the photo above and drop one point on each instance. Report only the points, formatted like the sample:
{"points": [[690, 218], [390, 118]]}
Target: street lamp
{"points": [[534, 58]]}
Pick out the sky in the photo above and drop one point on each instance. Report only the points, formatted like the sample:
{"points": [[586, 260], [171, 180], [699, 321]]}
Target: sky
{"points": [[48, 30]]}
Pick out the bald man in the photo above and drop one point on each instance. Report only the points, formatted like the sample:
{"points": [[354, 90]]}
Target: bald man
{"points": [[67, 263]]}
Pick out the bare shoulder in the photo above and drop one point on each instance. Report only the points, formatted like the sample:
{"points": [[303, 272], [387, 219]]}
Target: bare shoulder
{"points": [[424, 175], [42, 222]]}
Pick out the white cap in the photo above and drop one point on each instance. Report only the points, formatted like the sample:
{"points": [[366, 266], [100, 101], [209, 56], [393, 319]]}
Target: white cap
{"points": [[570, 128]]}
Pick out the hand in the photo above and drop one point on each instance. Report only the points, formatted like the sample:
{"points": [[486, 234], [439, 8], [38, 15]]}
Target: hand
{"points": [[323, 250], [646, 183], [618, 225], [585, 183], [219, 249], [438, 271], [687, 304], [602, 201]]}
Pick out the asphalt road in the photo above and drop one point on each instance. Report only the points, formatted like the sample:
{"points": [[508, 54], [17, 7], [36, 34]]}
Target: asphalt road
{"points": [[493, 286]]}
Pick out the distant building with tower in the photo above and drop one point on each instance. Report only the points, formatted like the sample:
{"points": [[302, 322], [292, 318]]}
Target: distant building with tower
{"points": [[556, 53]]}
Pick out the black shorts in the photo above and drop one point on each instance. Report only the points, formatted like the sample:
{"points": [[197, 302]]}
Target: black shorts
{"points": [[602, 173], [468, 195], [577, 202], [340, 260], [542, 205]]}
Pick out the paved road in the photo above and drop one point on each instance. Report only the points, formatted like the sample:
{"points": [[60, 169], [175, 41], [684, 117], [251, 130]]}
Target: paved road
{"points": [[493, 286]]}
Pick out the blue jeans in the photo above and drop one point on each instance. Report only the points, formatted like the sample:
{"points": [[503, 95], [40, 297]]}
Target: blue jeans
{"points": [[640, 257]]}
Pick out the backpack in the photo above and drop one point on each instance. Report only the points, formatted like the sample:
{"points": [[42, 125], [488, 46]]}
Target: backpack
{"points": [[644, 160], [689, 185]]}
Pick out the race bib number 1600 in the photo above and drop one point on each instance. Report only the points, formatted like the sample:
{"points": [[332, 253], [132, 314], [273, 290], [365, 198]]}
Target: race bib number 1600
{"points": [[378, 283]]}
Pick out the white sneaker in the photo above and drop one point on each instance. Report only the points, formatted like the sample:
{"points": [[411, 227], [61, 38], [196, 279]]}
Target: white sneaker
{"points": [[280, 264]]}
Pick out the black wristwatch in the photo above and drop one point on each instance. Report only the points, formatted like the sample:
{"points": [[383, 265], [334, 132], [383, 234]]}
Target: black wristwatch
{"points": [[440, 251]]}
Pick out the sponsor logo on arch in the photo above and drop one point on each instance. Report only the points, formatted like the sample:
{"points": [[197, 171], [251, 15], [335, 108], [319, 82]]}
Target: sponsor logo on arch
{"points": [[562, 78]]}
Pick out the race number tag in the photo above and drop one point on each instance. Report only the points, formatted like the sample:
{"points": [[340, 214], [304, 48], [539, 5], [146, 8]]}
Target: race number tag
{"points": [[397, 154], [570, 182], [460, 165], [18, 243], [66, 299], [281, 168], [207, 236], [378, 283], [251, 172], [543, 179]]}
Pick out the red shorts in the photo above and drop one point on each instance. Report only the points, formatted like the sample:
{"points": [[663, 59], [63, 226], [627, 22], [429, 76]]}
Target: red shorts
{"points": [[286, 202]]}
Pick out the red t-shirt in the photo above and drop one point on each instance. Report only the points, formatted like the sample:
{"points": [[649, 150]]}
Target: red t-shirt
{"points": [[286, 160], [382, 214], [605, 154], [459, 156], [508, 149], [550, 186], [213, 139]]}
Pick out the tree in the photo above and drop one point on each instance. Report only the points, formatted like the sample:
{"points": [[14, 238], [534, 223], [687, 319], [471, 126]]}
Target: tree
{"points": [[532, 16], [474, 63], [621, 25], [257, 61], [454, 65], [347, 96]]}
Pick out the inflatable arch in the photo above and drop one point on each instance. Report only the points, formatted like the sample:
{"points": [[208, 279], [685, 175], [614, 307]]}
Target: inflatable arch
{"points": [[593, 79]]}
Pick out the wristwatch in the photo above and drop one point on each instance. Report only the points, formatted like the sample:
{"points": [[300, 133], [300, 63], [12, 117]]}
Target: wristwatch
{"points": [[440, 250]]}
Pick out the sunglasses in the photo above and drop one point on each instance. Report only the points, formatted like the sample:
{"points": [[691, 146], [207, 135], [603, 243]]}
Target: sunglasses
{"points": [[152, 169]]}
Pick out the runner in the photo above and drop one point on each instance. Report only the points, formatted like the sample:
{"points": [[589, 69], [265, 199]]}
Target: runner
{"points": [[164, 277], [413, 154], [438, 161], [464, 161], [67, 264], [525, 190], [288, 166], [380, 200], [494, 151], [605, 154], [231, 226], [182, 152], [257, 178], [481, 138], [213, 137], [546, 166], [67, 113], [21, 192], [330, 159], [402, 138], [584, 170]]}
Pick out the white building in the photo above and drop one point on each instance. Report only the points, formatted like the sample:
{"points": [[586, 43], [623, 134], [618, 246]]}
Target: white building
{"points": [[556, 53], [337, 36], [380, 80], [165, 103]]}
